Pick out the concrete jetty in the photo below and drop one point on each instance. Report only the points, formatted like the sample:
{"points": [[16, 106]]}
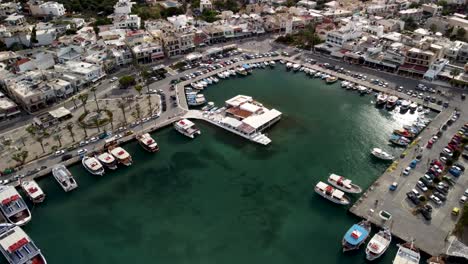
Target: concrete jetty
{"points": [[406, 223]]}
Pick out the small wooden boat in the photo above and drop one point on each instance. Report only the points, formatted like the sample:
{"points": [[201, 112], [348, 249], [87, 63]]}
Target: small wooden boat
{"points": [[343, 184]]}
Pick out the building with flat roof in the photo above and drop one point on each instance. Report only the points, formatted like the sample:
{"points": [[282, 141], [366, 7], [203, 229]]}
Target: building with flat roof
{"points": [[8, 108], [52, 117]]}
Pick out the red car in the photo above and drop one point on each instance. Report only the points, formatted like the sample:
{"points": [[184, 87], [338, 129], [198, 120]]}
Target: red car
{"points": [[429, 144]]}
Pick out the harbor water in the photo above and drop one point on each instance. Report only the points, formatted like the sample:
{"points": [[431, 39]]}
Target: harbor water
{"points": [[222, 199]]}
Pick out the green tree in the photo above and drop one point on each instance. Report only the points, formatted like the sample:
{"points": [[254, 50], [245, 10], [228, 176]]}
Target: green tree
{"points": [[84, 99], [73, 98], [138, 111], [209, 16], [454, 73], [150, 104], [111, 119], [95, 98], [146, 75], [20, 157], [460, 34], [126, 81], [410, 25], [96, 123], [58, 138], [121, 105], [138, 88], [433, 28], [85, 131], [70, 130]]}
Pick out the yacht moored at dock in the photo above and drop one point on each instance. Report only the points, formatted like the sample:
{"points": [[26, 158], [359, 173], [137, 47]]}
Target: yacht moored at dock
{"points": [[331, 194], [407, 254], [18, 247], [381, 98], [147, 142], [13, 206], [121, 155], [33, 191], [391, 102], [379, 153], [107, 160], [343, 184], [331, 79], [187, 128], [356, 235], [92, 165], [63, 176], [378, 244]]}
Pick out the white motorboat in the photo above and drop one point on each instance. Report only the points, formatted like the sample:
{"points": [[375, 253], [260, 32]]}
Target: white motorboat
{"points": [[379, 153], [296, 67], [33, 190], [64, 177], [378, 244], [18, 247], [288, 65], [391, 102], [381, 98], [147, 142], [121, 155], [187, 128], [13, 207], [107, 160], [343, 184], [331, 194], [92, 165], [405, 104]]}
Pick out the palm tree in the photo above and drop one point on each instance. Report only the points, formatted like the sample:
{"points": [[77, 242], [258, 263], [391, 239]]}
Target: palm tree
{"points": [[454, 73], [41, 141], [20, 157], [95, 99], [146, 77], [32, 130], [22, 139], [58, 138], [121, 105], [111, 118], [84, 129], [150, 104], [70, 129], [96, 123], [138, 111], [138, 88], [83, 98]]}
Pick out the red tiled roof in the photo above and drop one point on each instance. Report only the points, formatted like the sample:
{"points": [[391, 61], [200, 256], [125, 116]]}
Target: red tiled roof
{"points": [[22, 61]]}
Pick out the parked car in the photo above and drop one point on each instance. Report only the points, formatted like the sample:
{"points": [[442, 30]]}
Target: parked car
{"points": [[421, 186], [413, 198], [66, 157], [435, 199], [455, 172], [81, 151], [59, 152], [406, 171], [440, 195], [393, 186], [426, 212]]}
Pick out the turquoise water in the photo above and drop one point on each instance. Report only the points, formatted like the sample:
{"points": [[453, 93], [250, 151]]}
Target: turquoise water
{"points": [[221, 199]]}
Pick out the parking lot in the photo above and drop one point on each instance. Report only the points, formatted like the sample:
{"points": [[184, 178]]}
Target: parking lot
{"points": [[429, 231]]}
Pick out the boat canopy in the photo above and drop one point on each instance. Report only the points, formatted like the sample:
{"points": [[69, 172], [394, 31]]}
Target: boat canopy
{"points": [[356, 234], [322, 186], [341, 180], [246, 66], [338, 194]]}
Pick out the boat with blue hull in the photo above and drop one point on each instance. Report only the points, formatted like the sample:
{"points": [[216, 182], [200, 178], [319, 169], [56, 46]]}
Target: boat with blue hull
{"points": [[356, 235]]}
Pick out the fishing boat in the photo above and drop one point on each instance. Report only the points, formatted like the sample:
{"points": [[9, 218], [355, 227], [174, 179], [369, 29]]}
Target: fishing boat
{"points": [[33, 191], [413, 107], [187, 128], [407, 254], [379, 153], [378, 244], [147, 142], [107, 160], [272, 64], [343, 184], [18, 247], [356, 235], [404, 106], [13, 206], [289, 65], [399, 140], [331, 194], [208, 106], [404, 133], [331, 79], [381, 98], [296, 67], [64, 177], [391, 102], [121, 155], [92, 165]]}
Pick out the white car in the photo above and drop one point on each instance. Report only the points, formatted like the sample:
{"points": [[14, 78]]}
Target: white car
{"points": [[82, 151], [448, 151], [93, 139], [113, 79], [407, 171], [435, 199], [463, 199], [466, 192], [59, 152], [435, 138], [84, 143]]}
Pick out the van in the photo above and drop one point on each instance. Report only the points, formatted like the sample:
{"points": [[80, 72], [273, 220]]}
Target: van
{"points": [[66, 157]]}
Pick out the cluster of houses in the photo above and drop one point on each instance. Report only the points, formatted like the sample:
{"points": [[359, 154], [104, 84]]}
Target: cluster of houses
{"points": [[58, 55]]}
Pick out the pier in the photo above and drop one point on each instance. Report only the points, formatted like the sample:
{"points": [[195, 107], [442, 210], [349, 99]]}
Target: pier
{"points": [[406, 223]]}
